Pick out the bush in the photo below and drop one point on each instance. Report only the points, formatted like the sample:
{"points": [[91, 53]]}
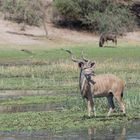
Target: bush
{"points": [[97, 15], [22, 11]]}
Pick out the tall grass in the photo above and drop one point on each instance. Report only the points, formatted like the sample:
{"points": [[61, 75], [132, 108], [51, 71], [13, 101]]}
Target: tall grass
{"points": [[55, 71]]}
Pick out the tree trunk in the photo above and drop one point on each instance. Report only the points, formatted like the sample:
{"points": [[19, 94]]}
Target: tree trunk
{"points": [[44, 25]]}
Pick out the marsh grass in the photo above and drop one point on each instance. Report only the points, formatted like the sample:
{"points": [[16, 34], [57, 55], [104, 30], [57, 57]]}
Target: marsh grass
{"points": [[59, 74], [35, 100], [53, 70]]}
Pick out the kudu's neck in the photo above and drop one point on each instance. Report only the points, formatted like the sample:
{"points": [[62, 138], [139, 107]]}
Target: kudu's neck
{"points": [[81, 79], [84, 83]]}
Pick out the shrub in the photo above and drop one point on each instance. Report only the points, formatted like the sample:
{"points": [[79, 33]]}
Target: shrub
{"points": [[97, 15], [22, 11]]}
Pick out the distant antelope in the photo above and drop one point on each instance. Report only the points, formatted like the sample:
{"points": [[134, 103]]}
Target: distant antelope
{"points": [[105, 85], [107, 37]]}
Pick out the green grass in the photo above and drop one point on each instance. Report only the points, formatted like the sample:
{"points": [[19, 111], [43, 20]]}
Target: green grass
{"points": [[55, 121], [35, 100], [51, 69]]}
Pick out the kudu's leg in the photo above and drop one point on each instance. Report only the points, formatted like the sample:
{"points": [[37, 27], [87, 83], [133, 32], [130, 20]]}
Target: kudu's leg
{"points": [[111, 104], [100, 43], [115, 41], [90, 106], [120, 101], [106, 42]]}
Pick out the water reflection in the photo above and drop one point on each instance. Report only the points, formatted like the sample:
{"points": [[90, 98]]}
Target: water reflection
{"points": [[24, 135], [128, 132], [107, 134]]}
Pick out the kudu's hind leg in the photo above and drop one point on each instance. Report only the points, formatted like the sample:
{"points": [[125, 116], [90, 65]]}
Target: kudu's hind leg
{"points": [[111, 104], [114, 40], [121, 103]]}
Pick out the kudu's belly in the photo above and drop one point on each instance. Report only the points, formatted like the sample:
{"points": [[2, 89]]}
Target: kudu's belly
{"points": [[100, 94]]}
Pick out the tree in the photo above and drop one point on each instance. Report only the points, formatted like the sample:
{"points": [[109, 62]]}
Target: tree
{"points": [[43, 6], [31, 12]]}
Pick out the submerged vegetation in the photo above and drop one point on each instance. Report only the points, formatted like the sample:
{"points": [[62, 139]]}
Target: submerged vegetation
{"points": [[52, 70]]}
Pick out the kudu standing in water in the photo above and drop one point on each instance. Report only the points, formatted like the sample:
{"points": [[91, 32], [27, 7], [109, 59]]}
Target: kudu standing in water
{"points": [[107, 37], [105, 85]]}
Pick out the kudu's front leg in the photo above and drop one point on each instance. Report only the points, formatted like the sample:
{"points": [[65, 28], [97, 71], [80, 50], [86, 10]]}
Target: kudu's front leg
{"points": [[90, 106]]}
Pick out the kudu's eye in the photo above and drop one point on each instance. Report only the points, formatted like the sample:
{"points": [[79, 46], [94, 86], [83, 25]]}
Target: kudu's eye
{"points": [[80, 64]]}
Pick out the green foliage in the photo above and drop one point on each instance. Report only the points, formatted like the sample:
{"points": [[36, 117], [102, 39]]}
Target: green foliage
{"points": [[22, 11], [97, 15]]}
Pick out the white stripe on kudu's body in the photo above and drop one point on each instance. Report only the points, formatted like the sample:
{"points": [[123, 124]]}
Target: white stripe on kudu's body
{"points": [[105, 84]]}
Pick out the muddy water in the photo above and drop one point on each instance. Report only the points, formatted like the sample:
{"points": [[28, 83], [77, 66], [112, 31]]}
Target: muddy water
{"points": [[18, 93], [126, 132], [30, 107]]}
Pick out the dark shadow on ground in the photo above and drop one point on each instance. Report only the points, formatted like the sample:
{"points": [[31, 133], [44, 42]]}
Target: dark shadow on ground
{"points": [[110, 46], [103, 117], [25, 34]]}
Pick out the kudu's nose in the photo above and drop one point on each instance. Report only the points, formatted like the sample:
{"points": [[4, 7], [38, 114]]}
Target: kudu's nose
{"points": [[88, 71]]}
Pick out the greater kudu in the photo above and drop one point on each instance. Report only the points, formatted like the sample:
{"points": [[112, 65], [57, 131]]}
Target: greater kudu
{"points": [[105, 85]]}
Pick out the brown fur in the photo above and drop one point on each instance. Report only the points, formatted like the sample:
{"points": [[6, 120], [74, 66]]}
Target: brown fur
{"points": [[103, 86], [107, 37], [106, 84]]}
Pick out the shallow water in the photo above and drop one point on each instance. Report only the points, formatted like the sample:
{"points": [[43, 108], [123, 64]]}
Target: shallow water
{"points": [[15, 94], [18, 93], [30, 107], [124, 132]]}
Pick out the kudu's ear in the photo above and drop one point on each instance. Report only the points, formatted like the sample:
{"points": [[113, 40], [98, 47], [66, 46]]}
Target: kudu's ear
{"points": [[80, 64], [92, 64]]}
